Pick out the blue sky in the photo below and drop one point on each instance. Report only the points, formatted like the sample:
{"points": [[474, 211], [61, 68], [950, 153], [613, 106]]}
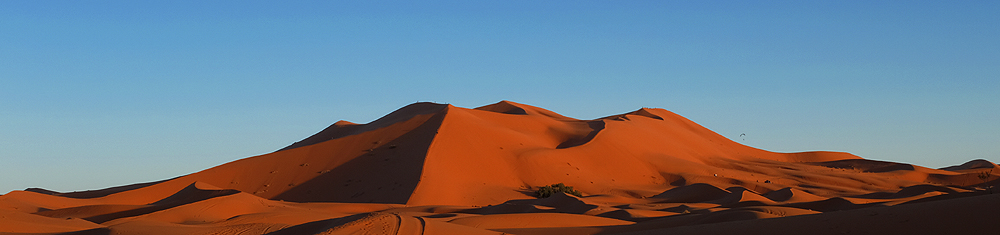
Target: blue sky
{"points": [[96, 94]]}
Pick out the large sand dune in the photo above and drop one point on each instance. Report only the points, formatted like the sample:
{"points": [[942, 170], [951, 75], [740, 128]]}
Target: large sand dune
{"points": [[439, 169]]}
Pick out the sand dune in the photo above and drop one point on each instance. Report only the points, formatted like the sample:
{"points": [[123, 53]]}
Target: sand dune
{"points": [[439, 169]]}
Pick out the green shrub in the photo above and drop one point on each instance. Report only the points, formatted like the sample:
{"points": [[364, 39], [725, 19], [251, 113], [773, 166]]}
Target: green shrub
{"points": [[547, 191]]}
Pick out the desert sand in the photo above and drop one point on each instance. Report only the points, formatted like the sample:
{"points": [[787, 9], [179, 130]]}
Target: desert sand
{"points": [[439, 169]]}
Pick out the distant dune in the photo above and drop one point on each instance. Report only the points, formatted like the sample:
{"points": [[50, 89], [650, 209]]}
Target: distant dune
{"points": [[439, 169]]}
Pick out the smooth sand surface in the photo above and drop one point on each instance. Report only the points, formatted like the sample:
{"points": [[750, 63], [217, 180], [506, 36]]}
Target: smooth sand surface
{"points": [[439, 169]]}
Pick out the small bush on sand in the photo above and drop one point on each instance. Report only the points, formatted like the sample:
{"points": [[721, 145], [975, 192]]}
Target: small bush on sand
{"points": [[547, 191], [985, 176]]}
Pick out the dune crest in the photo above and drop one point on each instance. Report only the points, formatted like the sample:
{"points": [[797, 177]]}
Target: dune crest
{"points": [[431, 168]]}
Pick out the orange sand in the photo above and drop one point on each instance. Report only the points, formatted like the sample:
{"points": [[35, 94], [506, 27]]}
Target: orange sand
{"points": [[439, 169]]}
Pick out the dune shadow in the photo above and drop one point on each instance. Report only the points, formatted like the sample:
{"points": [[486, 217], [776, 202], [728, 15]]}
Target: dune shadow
{"points": [[504, 107], [336, 131], [699, 192], [319, 226], [595, 127], [831, 204], [189, 194], [974, 164], [865, 165], [99, 192], [908, 192], [388, 174], [95, 231]]}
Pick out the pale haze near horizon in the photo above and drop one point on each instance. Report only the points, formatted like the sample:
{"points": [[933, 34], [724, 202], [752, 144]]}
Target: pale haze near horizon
{"points": [[102, 94]]}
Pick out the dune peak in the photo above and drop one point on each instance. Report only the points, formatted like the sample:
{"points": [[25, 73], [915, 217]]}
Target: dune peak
{"points": [[343, 128], [974, 164], [505, 107], [643, 112], [344, 123], [510, 107]]}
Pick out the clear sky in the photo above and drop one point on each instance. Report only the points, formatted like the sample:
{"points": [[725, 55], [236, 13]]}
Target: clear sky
{"points": [[95, 94]]}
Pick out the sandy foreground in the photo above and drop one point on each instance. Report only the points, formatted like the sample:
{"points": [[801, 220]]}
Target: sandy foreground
{"points": [[439, 169]]}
